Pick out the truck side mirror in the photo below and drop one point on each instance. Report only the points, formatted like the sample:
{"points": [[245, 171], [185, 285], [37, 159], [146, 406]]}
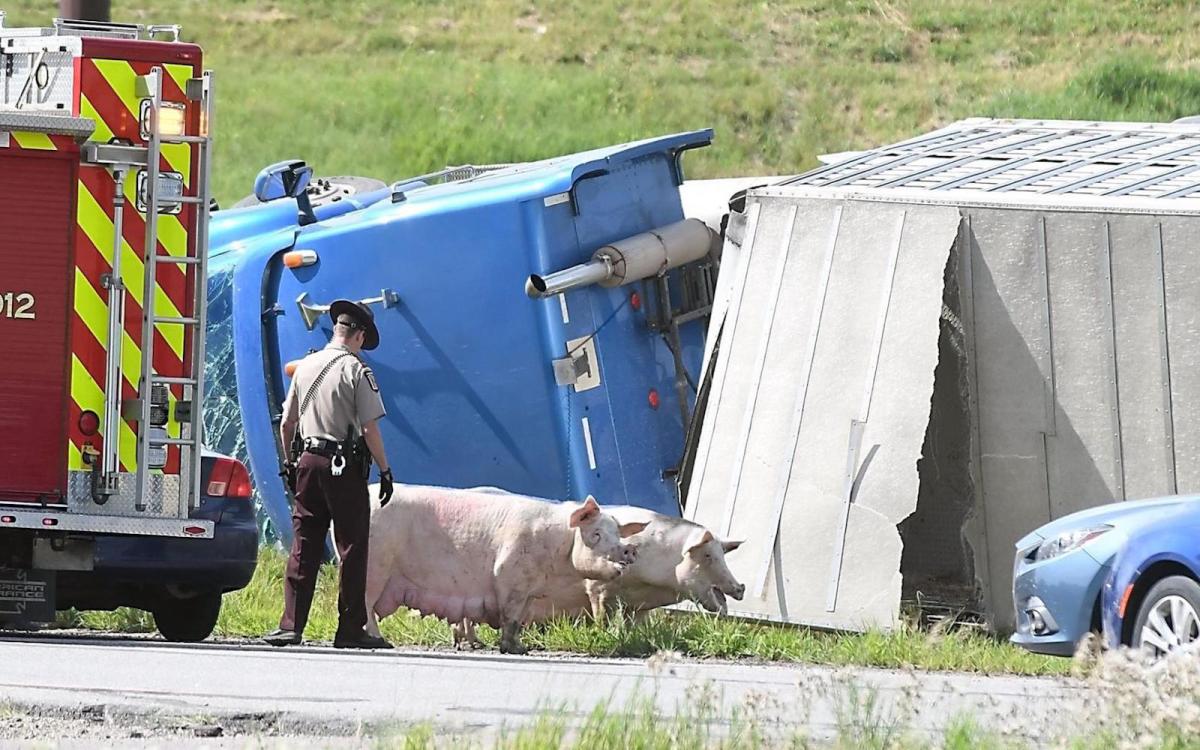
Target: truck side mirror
{"points": [[286, 179]]}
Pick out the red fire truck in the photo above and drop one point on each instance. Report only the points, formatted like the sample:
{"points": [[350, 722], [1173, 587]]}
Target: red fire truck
{"points": [[107, 496]]}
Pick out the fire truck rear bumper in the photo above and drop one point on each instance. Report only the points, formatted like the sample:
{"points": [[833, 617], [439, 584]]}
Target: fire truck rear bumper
{"points": [[48, 519]]}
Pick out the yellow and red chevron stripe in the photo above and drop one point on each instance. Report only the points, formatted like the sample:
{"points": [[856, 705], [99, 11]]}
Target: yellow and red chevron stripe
{"points": [[41, 142], [108, 96]]}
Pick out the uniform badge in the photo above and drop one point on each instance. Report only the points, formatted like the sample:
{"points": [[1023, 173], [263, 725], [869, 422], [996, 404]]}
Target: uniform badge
{"points": [[370, 376]]}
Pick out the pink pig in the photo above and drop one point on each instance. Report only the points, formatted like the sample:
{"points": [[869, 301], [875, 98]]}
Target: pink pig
{"points": [[483, 557]]}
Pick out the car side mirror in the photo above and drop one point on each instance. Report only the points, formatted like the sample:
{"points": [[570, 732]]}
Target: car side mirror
{"points": [[286, 179]]}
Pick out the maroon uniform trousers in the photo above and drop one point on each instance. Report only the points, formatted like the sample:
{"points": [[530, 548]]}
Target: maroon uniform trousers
{"points": [[320, 498]]}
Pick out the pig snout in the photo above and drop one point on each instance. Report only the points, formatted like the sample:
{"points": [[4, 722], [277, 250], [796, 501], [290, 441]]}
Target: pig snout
{"points": [[629, 554]]}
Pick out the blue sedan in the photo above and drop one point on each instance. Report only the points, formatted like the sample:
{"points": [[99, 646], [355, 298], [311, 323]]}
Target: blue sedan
{"points": [[1128, 571]]}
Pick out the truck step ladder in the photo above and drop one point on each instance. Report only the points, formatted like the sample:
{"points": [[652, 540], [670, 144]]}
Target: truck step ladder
{"points": [[121, 159]]}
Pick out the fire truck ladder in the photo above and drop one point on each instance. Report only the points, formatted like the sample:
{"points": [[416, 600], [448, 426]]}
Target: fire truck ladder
{"points": [[122, 159]]}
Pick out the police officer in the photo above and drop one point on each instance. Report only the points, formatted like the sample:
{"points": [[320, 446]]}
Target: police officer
{"points": [[333, 399]]}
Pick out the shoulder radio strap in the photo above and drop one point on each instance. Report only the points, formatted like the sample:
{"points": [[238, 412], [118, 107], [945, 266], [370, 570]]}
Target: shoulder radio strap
{"points": [[312, 389]]}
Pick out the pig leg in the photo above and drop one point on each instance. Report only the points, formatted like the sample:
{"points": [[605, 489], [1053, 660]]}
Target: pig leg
{"points": [[510, 638], [513, 605], [464, 635], [472, 639], [598, 597], [458, 633]]}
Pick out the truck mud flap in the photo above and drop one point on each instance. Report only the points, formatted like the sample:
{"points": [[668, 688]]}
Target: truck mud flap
{"points": [[26, 596]]}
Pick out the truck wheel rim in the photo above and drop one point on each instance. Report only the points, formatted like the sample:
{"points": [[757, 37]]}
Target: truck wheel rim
{"points": [[1172, 623]]}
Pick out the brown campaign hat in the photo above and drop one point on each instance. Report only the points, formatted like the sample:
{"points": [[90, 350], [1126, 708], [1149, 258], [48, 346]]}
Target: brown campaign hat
{"points": [[361, 315]]}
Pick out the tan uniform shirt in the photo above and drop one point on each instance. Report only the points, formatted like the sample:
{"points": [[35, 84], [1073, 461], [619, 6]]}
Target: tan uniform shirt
{"points": [[348, 395]]}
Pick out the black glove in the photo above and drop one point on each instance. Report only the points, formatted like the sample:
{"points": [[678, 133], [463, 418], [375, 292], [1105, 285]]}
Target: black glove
{"points": [[385, 487], [288, 472]]}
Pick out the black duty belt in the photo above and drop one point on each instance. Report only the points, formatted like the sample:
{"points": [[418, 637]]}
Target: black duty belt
{"points": [[321, 446]]}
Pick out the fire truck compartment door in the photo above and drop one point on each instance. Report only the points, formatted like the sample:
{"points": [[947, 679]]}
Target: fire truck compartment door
{"points": [[36, 226]]}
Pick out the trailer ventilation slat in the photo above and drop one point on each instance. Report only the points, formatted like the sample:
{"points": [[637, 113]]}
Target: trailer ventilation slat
{"points": [[1031, 157]]}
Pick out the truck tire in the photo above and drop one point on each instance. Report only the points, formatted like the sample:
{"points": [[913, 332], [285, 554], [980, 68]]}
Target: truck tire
{"points": [[324, 190], [188, 620]]}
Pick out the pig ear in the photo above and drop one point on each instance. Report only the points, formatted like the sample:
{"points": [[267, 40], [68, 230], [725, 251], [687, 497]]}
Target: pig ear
{"points": [[708, 537], [588, 512], [629, 529], [731, 546]]}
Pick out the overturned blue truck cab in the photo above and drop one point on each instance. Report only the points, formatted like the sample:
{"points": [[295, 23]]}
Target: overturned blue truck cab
{"points": [[542, 324]]}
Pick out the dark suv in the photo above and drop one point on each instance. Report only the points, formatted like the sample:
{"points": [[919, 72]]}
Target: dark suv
{"points": [[180, 581]]}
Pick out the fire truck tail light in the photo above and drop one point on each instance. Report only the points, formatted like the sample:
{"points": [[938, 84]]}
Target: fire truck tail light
{"points": [[170, 121], [8, 519], [89, 423], [49, 521], [229, 478], [300, 258], [171, 117]]}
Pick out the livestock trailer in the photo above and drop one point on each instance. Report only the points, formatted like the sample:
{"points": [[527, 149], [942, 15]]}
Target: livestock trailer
{"points": [[931, 348]]}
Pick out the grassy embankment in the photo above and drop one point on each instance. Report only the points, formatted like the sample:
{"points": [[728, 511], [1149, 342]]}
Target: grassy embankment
{"points": [[396, 87], [392, 88]]}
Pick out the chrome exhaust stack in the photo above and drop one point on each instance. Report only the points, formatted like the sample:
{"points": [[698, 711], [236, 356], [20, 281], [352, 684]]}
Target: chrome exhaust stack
{"points": [[638, 257], [596, 271]]}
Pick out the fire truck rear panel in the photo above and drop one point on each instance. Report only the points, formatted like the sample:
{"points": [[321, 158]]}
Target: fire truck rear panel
{"points": [[37, 173], [107, 75]]}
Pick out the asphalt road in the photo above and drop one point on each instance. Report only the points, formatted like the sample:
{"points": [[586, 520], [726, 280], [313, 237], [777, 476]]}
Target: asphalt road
{"points": [[479, 692]]}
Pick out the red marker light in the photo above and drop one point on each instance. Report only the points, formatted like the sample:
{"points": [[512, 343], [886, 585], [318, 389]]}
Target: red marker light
{"points": [[653, 399], [89, 423], [229, 478], [49, 521], [193, 530], [8, 519], [635, 301]]}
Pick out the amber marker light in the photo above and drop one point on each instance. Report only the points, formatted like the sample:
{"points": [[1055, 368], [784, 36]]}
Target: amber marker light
{"points": [[299, 258]]}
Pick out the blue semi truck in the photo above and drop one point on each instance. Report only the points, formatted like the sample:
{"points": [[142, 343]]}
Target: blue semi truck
{"points": [[536, 337]]}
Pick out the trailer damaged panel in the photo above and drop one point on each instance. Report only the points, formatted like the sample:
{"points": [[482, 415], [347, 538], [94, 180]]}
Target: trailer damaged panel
{"points": [[819, 402]]}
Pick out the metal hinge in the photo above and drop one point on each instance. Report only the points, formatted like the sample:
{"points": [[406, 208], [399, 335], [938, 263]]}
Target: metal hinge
{"points": [[578, 368]]}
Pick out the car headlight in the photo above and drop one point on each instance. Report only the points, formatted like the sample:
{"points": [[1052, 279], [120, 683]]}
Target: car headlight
{"points": [[1068, 541]]}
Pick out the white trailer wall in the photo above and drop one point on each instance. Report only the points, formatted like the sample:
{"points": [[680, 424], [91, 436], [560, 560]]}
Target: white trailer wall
{"points": [[832, 321], [1081, 325]]}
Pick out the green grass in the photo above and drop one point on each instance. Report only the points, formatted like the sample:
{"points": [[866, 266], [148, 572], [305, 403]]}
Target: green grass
{"points": [[255, 610], [398, 87]]}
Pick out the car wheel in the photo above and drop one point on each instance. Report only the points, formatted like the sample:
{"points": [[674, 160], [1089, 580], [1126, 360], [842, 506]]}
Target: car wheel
{"points": [[324, 190], [1169, 617], [188, 620]]}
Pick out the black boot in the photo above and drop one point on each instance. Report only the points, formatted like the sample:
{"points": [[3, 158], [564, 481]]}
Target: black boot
{"points": [[282, 638], [361, 640]]}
